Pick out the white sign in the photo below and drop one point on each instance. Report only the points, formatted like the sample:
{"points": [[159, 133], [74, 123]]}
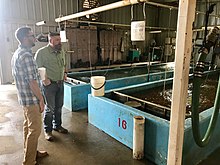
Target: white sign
{"points": [[137, 30]]}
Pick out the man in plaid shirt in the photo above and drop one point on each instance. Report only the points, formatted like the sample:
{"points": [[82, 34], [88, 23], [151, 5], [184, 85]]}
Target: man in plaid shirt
{"points": [[25, 73]]}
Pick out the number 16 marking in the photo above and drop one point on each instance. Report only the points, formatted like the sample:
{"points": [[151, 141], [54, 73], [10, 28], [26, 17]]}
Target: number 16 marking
{"points": [[123, 123]]}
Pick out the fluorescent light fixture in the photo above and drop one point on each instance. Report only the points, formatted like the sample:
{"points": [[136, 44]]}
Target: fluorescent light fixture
{"points": [[41, 23], [155, 31]]}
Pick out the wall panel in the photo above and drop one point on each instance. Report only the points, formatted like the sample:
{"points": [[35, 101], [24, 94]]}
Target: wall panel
{"points": [[44, 10], [31, 10], [16, 13], [38, 9], [51, 9]]}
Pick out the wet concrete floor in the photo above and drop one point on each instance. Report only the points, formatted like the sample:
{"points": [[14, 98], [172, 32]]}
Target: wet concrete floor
{"points": [[84, 145]]}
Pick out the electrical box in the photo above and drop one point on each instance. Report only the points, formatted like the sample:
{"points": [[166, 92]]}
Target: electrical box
{"points": [[133, 55]]}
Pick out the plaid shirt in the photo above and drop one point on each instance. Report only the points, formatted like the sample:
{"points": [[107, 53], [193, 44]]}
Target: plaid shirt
{"points": [[24, 70]]}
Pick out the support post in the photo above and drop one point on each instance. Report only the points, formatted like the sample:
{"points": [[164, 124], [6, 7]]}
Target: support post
{"points": [[186, 15]]}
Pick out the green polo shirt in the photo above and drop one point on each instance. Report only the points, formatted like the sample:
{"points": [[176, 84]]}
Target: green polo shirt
{"points": [[53, 61]]}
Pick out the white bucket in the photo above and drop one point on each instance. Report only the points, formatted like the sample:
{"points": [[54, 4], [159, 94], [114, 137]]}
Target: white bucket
{"points": [[98, 85], [42, 73]]}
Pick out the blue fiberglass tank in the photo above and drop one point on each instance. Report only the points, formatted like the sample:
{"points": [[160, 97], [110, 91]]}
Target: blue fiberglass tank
{"points": [[76, 95], [115, 117]]}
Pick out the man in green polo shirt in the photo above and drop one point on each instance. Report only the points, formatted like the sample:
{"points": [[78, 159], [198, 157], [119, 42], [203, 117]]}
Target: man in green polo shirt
{"points": [[52, 58]]}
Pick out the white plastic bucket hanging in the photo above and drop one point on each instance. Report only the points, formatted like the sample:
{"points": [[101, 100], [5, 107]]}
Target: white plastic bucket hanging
{"points": [[97, 85], [138, 137], [63, 33], [138, 27], [138, 31], [63, 36]]}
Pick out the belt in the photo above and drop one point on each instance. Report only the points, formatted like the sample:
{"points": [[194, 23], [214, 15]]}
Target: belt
{"points": [[56, 82]]}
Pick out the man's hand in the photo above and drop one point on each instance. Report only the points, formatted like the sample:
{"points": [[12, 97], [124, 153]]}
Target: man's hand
{"points": [[37, 92], [41, 103], [65, 76], [46, 82]]}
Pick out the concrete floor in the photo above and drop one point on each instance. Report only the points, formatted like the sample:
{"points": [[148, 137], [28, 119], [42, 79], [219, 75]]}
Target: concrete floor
{"points": [[84, 145]]}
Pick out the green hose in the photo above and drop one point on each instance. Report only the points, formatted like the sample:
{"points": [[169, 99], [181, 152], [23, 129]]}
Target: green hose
{"points": [[197, 81]]}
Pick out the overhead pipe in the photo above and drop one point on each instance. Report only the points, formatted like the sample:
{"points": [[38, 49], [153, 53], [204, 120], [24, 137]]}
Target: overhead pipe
{"points": [[100, 9], [120, 25], [110, 7], [161, 5], [125, 25], [118, 5], [176, 8]]}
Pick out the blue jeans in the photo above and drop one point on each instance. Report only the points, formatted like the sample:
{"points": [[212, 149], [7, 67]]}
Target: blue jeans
{"points": [[53, 95]]}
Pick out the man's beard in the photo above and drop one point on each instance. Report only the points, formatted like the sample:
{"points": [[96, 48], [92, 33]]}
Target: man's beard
{"points": [[58, 47]]}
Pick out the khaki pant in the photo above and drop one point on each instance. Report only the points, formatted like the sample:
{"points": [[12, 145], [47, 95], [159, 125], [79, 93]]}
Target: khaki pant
{"points": [[32, 130]]}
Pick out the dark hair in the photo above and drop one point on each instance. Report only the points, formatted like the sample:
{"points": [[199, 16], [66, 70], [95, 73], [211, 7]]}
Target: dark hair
{"points": [[51, 34], [22, 32]]}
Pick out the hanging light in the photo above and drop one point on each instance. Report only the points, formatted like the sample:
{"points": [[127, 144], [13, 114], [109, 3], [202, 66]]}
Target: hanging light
{"points": [[155, 31], [41, 23]]}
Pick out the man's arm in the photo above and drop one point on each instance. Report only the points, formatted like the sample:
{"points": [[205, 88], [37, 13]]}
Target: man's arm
{"points": [[39, 58], [65, 65], [36, 90], [31, 76], [40, 62]]}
